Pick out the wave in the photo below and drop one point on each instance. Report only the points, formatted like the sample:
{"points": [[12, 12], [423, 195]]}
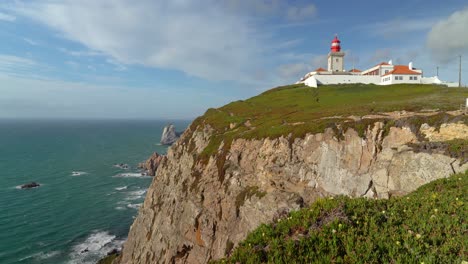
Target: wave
{"points": [[42, 255], [135, 195], [134, 206], [78, 173], [131, 175], [119, 208], [95, 247], [121, 188]]}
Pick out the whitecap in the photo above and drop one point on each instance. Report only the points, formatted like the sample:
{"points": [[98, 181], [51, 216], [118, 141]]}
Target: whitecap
{"points": [[78, 173], [134, 206], [94, 247], [119, 208], [121, 188], [122, 166], [131, 175], [135, 195]]}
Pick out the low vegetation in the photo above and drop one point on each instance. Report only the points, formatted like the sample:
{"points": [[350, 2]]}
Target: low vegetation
{"points": [[456, 148], [429, 225], [108, 259], [295, 110]]}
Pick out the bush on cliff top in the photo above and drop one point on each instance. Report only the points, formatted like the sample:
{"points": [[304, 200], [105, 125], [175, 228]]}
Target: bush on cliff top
{"points": [[429, 225]]}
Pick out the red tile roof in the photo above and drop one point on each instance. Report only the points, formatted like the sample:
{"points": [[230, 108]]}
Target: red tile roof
{"points": [[402, 69], [355, 70], [320, 69]]}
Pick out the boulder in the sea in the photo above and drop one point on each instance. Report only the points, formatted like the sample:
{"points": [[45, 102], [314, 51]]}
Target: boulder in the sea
{"points": [[30, 185], [122, 166], [169, 135], [152, 164]]}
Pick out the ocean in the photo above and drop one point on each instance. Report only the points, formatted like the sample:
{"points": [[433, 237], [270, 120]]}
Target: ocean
{"points": [[85, 205]]}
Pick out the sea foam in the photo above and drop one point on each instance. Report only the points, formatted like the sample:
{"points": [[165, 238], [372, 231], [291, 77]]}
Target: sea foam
{"points": [[95, 246], [131, 175], [78, 173], [135, 195], [134, 206]]}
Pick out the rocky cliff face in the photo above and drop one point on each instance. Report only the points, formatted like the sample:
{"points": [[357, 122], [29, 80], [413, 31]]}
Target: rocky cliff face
{"points": [[169, 135], [199, 209]]}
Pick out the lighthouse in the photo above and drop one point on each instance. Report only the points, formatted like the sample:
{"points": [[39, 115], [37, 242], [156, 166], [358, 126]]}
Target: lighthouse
{"points": [[336, 57]]}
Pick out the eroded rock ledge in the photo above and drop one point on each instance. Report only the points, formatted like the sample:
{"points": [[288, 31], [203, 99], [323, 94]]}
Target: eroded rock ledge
{"points": [[199, 209]]}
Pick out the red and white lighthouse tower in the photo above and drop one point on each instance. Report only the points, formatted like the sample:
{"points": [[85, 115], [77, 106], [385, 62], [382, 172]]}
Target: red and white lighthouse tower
{"points": [[336, 44], [336, 57]]}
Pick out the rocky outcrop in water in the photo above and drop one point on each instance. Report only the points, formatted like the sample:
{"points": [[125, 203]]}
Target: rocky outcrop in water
{"points": [[151, 165], [198, 209], [30, 185], [169, 135]]}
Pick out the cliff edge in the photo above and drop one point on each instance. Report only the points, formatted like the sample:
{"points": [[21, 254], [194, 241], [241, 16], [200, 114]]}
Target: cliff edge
{"points": [[253, 161]]}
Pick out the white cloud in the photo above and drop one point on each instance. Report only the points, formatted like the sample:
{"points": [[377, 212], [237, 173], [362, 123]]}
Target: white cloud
{"points": [[48, 98], [398, 26], [15, 65], [380, 55], [81, 53], [320, 61], [448, 38], [257, 7], [7, 17], [197, 38], [293, 71], [301, 13], [31, 42]]}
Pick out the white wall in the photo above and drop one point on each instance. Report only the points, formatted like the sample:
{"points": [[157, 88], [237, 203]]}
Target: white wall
{"points": [[311, 81], [344, 79], [406, 79], [430, 80]]}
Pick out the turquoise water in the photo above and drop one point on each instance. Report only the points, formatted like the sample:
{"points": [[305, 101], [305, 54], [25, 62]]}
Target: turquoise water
{"points": [[71, 219]]}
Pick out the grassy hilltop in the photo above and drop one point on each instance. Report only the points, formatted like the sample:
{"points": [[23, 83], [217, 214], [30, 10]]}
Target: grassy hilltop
{"points": [[429, 225], [297, 109]]}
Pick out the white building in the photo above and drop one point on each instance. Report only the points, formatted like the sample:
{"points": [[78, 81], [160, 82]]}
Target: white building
{"points": [[384, 73]]}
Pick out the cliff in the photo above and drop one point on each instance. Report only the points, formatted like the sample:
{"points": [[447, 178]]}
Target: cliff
{"points": [[253, 161]]}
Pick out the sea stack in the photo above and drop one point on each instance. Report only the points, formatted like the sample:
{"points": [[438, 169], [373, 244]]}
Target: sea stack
{"points": [[151, 165], [169, 135]]}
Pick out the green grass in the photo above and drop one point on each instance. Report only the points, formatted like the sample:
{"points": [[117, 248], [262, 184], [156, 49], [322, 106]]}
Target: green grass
{"points": [[429, 225], [295, 110]]}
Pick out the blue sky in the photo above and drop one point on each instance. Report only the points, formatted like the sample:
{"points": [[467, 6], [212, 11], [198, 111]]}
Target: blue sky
{"points": [[174, 59]]}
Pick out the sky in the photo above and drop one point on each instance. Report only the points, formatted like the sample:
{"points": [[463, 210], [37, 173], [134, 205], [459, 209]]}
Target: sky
{"points": [[173, 59]]}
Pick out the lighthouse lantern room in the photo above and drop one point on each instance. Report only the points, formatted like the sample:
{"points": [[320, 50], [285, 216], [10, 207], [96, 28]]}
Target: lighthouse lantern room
{"points": [[336, 57]]}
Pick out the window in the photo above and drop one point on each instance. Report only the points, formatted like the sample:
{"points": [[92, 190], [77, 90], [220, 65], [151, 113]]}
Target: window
{"points": [[386, 71], [336, 60], [396, 78], [411, 78], [415, 78]]}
